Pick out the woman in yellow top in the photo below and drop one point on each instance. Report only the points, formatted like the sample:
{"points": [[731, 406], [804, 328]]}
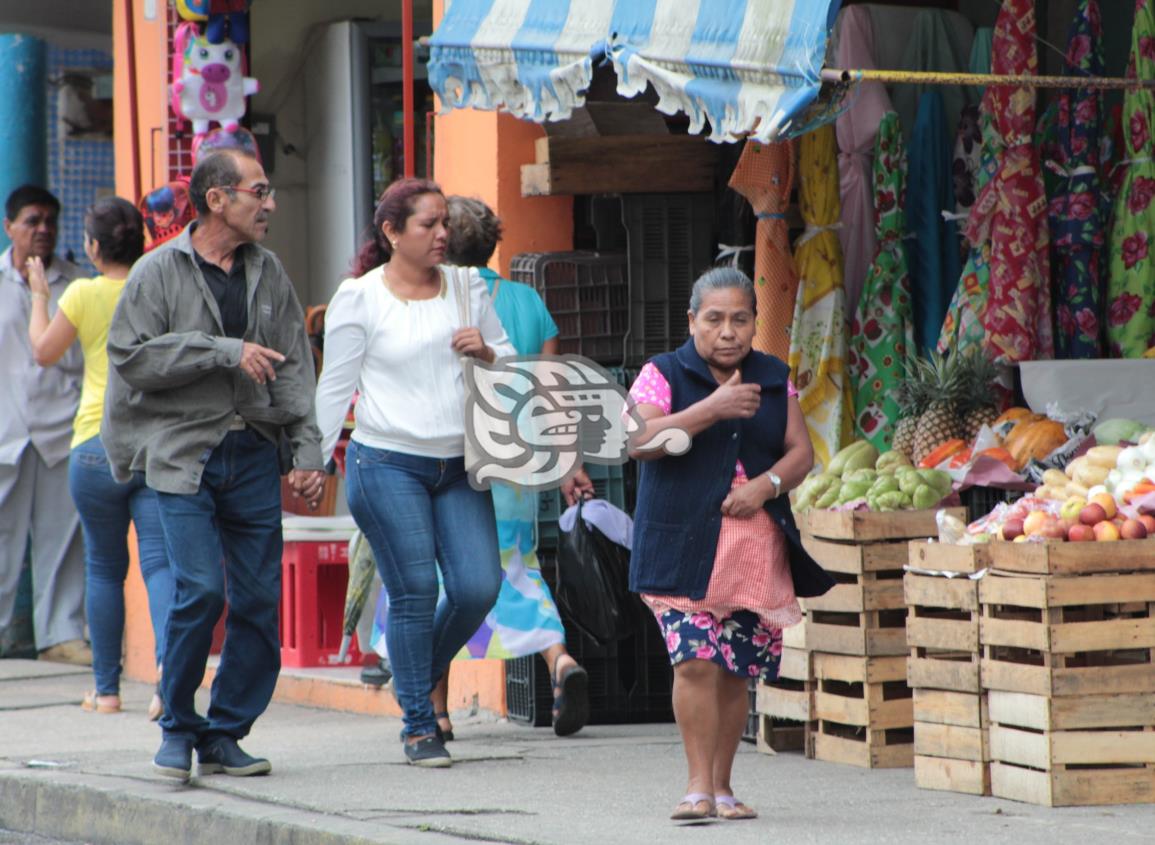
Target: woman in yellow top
{"points": [[113, 240]]}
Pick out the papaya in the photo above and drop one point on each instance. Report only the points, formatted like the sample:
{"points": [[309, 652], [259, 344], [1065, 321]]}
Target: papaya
{"points": [[941, 452]]}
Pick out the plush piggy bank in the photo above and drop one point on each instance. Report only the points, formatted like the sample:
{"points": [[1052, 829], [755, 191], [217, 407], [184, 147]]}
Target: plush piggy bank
{"points": [[210, 85]]}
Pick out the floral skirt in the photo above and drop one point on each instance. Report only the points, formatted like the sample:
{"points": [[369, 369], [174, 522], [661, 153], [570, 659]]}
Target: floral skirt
{"points": [[739, 643]]}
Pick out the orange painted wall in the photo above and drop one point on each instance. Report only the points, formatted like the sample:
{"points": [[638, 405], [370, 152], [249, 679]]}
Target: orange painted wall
{"points": [[151, 146], [152, 105], [479, 154]]}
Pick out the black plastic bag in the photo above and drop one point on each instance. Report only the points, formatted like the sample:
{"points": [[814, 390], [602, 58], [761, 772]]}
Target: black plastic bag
{"points": [[593, 584]]}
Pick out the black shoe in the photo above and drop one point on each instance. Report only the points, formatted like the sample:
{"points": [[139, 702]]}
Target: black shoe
{"points": [[428, 753], [376, 676], [224, 755], [441, 735], [174, 759]]}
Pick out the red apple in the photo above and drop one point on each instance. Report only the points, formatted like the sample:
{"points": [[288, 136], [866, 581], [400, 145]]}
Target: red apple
{"points": [[1149, 522], [1011, 529], [1107, 502], [1106, 532], [1092, 514], [1133, 529], [1053, 529], [1080, 533]]}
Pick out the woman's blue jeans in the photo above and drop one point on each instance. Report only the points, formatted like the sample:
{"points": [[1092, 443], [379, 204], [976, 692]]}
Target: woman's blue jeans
{"points": [[418, 513], [105, 509]]}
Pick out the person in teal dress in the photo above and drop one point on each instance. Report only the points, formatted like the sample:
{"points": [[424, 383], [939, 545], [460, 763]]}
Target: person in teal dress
{"points": [[525, 619]]}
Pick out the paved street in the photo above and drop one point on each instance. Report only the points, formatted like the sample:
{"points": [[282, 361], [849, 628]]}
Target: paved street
{"points": [[339, 779]]}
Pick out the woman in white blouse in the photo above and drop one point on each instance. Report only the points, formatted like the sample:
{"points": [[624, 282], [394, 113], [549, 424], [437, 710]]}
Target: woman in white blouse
{"points": [[394, 333]]}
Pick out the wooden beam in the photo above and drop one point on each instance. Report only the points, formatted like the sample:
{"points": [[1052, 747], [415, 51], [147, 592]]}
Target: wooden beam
{"points": [[620, 164]]}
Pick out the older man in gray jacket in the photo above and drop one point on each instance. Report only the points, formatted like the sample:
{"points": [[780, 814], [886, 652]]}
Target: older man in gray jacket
{"points": [[209, 367]]}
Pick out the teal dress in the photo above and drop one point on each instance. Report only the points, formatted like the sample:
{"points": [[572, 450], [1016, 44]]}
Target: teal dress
{"points": [[525, 619]]}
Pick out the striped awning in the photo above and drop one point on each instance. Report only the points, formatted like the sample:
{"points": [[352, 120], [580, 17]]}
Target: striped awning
{"points": [[745, 67]]}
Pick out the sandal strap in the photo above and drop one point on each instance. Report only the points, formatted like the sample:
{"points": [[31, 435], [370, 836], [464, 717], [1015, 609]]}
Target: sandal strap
{"points": [[726, 800], [694, 797]]}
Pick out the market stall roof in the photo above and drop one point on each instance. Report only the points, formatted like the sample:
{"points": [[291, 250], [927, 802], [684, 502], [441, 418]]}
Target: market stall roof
{"points": [[746, 67]]}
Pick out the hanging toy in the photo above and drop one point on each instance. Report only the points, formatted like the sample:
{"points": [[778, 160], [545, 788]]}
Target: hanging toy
{"points": [[230, 15], [166, 211], [224, 139], [193, 10], [208, 80]]}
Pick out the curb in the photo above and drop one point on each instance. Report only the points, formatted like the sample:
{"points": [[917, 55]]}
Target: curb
{"points": [[114, 815]]}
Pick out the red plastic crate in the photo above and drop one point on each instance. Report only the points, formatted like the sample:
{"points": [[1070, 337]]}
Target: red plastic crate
{"points": [[315, 574]]}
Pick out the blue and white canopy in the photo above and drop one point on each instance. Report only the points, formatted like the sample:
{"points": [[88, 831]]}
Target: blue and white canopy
{"points": [[747, 67]]}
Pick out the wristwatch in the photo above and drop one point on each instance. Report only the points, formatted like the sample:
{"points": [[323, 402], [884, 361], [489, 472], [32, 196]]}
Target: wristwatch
{"points": [[777, 483]]}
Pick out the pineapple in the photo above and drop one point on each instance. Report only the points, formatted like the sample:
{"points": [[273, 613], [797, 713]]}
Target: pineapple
{"points": [[913, 398], [940, 421], [979, 403]]}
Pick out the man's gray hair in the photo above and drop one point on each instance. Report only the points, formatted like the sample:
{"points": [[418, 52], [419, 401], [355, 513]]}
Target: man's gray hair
{"points": [[216, 170], [721, 278]]}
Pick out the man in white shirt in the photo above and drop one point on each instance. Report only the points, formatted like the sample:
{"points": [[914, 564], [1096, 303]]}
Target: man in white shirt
{"points": [[37, 405]]}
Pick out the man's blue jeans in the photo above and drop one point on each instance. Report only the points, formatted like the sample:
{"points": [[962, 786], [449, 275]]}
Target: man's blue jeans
{"points": [[105, 509], [224, 541], [418, 512]]}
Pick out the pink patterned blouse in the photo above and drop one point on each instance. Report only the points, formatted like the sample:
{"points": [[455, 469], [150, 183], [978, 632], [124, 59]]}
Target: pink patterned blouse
{"points": [[751, 565]]}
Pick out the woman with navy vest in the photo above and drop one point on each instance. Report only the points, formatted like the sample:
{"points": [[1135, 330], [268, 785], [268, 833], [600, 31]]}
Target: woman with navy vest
{"points": [[716, 555]]}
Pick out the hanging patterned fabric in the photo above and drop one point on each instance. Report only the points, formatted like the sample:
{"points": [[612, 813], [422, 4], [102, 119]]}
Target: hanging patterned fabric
{"points": [[857, 129], [933, 250], [1011, 210], [962, 327], [882, 336], [1131, 293], [1077, 211], [764, 175], [969, 137], [818, 336]]}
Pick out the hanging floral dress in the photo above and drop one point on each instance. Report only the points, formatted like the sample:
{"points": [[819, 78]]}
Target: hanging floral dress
{"points": [[1131, 293], [818, 337], [1011, 210], [1077, 212], [764, 175], [883, 331]]}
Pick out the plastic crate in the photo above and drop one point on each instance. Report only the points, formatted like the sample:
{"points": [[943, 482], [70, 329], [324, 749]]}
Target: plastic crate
{"points": [[671, 241], [315, 574], [979, 501], [548, 511], [750, 733], [630, 681], [587, 294]]}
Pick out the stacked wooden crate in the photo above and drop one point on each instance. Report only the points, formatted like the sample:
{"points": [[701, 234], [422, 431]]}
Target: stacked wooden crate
{"points": [[951, 723], [856, 633], [1068, 662], [785, 707]]}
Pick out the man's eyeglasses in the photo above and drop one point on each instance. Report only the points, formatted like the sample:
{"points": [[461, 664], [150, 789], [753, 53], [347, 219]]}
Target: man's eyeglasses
{"points": [[261, 192]]}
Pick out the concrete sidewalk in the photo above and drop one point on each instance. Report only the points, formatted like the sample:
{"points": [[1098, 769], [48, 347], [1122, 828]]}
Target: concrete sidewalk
{"points": [[340, 779]]}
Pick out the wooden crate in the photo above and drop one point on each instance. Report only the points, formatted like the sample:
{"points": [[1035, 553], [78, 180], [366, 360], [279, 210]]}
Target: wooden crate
{"points": [[932, 556], [778, 735], [1068, 635], [861, 526], [948, 774], [1106, 755], [795, 636], [864, 711], [785, 707], [951, 725], [855, 558], [942, 632], [1059, 558], [1075, 787]]}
